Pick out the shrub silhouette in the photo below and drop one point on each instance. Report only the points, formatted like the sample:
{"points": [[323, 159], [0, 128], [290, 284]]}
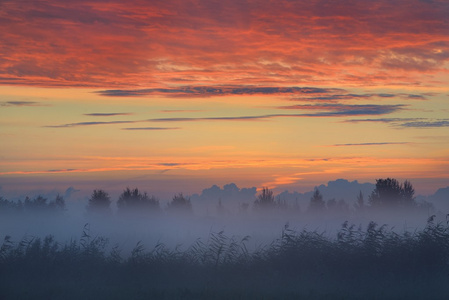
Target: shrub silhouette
{"points": [[179, 203], [41, 204], [134, 201], [265, 200], [389, 193], [317, 203], [36, 205], [99, 202], [7, 207]]}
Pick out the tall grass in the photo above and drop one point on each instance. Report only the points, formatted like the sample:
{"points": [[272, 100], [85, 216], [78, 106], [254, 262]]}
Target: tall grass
{"points": [[372, 262]]}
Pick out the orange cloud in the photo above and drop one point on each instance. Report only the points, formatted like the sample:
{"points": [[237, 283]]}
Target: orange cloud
{"points": [[160, 43]]}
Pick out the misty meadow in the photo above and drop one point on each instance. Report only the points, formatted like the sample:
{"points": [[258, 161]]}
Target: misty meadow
{"points": [[385, 245]]}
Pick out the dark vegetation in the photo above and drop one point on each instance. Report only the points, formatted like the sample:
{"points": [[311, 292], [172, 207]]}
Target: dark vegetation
{"points": [[136, 202], [357, 262], [389, 194], [369, 263], [38, 204]]}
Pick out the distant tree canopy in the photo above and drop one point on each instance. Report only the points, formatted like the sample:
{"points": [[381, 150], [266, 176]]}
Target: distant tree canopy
{"points": [[317, 203], [41, 204], [265, 199], [99, 202], [179, 203], [38, 204], [133, 200], [390, 193], [7, 206]]}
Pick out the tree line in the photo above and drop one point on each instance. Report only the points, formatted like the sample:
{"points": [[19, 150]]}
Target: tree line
{"points": [[38, 204], [388, 193]]}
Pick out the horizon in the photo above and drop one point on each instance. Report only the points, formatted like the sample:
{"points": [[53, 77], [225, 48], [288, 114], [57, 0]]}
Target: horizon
{"points": [[175, 97], [339, 186]]}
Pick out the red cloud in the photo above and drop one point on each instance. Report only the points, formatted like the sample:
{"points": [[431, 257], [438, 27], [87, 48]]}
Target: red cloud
{"points": [[158, 43]]}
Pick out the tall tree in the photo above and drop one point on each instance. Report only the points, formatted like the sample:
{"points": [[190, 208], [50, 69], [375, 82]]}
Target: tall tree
{"points": [[135, 201], [408, 193], [179, 203], [99, 202], [390, 193], [317, 203]]}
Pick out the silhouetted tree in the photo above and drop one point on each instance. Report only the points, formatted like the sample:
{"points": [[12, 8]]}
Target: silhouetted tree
{"points": [[360, 203], [133, 200], [7, 206], [58, 204], [179, 203], [390, 193], [40, 204], [265, 199], [99, 202], [408, 194], [317, 203]]}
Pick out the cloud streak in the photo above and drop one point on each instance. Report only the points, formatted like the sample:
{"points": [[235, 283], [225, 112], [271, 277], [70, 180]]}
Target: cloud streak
{"points": [[346, 110], [406, 122], [208, 91], [89, 124], [151, 128], [426, 124], [107, 114], [324, 110], [20, 103], [369, 144], [295, 93]]}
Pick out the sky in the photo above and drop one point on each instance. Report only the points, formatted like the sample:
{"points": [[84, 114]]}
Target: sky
{"points": [[175, 96]]}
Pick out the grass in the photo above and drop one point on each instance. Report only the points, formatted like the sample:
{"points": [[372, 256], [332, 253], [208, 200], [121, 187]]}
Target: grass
{"points": [[371, 263]]}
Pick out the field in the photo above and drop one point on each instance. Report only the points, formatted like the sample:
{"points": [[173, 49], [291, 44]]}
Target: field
{"points": [[358, 262]]}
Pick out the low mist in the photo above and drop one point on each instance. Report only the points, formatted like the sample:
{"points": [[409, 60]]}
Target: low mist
{"points": [[136, 217]]}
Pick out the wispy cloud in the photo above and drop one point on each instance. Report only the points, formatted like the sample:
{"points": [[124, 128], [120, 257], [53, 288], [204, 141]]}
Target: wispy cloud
{"points": [[350, 96], [426, 124], [321, 110], [151, 128], [88, 124], [383, 120], [369, 144], [346, 110], [208, 91], [20, 103], [236, 118], [107, 114], [406, 122], [180, 110], [356, 111]]}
